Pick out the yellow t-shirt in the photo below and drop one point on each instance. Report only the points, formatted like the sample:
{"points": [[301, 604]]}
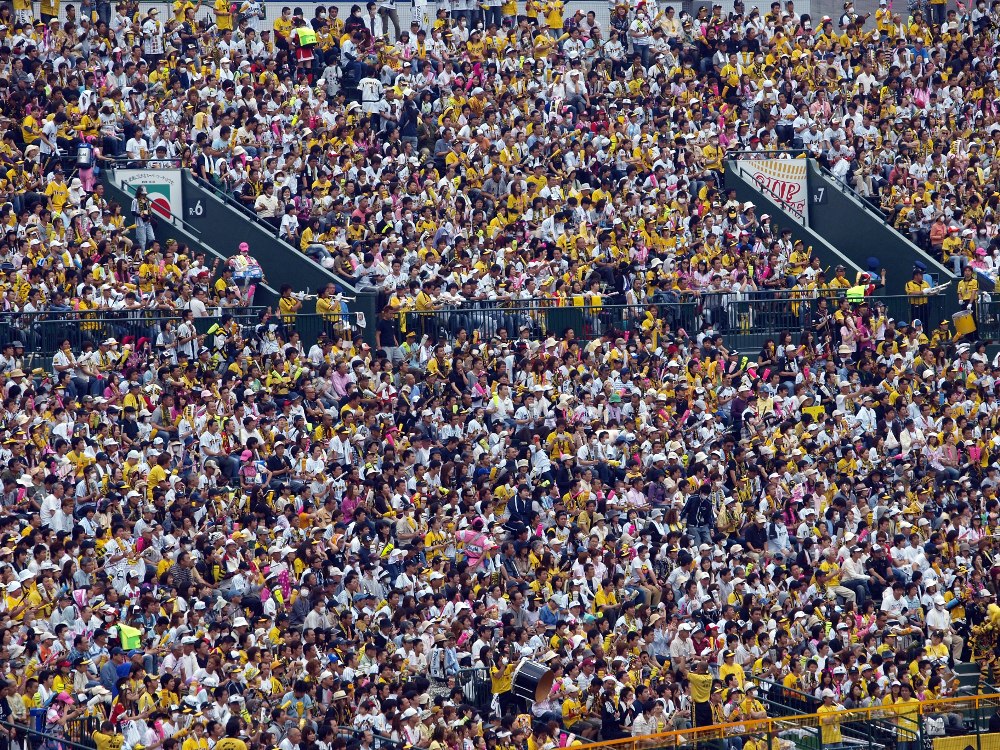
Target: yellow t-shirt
{"points": [[180, 9], [503, 679], [287, 306], [223, 15], [30, 127], [58, 195], [157, 474], [554, 14], [968, 291], [913, 289], [701, 686], [727, 669], [571, 710], [829, 725], [195, 743], [282, 27], [108, 741]]}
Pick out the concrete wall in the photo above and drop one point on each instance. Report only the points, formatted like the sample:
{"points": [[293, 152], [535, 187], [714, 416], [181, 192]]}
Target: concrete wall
{"points": [[860, 232]]}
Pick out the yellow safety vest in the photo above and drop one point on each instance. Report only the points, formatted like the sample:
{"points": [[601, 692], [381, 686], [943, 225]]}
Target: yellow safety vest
{"points": [[856, 293]]}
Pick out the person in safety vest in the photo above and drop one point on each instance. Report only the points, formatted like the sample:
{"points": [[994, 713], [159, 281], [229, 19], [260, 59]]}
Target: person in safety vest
{"points": [[304, 39], [864, 286]]}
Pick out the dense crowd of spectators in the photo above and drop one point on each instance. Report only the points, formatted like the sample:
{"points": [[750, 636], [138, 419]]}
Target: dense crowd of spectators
{"points": [[232, 536]]}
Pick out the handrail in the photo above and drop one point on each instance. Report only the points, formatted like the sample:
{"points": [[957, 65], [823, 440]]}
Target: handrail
{"points": [[676, 738], [801, 695], [54, 739], [795, 153], [810, 701], [543, 305], [849, 191], [124, 160]]}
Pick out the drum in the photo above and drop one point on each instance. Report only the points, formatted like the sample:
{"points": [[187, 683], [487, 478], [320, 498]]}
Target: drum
{"points": [[532, 681], [964, 322]]}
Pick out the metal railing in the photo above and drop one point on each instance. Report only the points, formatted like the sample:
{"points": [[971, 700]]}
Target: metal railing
{"points": [[77, 733], [988, 319], [477, 686], [745, 320], [790, 153], [124, 162], [785, 701], [354, 737], [850, 192], [781, 701], [310, 325], [543, 320], [892, 725], [80, 731], [43, 333], [866, 205]]}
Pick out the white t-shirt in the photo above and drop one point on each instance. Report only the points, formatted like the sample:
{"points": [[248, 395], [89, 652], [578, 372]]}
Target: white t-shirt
{"points": [[49, 506], [210, 442], [372, 92]]}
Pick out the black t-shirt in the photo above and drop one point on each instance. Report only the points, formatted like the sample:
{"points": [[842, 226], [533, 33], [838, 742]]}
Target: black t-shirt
{"points": [[388, 330], [277, 463], [756, 535], [131, 429]]}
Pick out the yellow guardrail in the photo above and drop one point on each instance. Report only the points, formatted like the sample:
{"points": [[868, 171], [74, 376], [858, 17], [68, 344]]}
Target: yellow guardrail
{"points": [[901, 716]]}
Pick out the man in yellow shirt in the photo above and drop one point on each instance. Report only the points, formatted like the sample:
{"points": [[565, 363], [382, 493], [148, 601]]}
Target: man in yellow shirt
{"points": [[559, 441], [223, 15], [712, 153], [283, 24], [916, 290], [840, 280], [968, 291], [17, 600], [573, 711], [793, 680], [829, 723], [605, 600], [701, 681], [57, 192], [288, 306], [554, 16], [730, 667], [107, 738], [907, 718], [798, 261]]}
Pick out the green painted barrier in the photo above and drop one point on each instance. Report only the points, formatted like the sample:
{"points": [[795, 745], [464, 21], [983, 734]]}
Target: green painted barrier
{"points": [[859, 230]]}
